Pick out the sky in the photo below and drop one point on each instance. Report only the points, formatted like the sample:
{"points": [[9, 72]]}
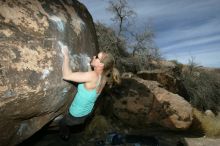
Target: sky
{"points": [[184, 29]]}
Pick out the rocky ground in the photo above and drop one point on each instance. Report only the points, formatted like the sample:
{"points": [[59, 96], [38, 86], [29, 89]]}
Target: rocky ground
{"points": [[51, 138], [82, 136]]}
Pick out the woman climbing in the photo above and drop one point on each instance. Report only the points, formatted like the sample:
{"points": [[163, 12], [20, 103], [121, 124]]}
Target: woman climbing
{"points": [[90, 86]]}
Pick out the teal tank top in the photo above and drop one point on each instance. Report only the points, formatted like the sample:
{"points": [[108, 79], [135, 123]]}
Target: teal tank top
{"points": [[84, 101]]}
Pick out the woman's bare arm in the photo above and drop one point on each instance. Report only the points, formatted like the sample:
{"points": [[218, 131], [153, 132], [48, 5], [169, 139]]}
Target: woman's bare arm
{"points": [[66, 68], [80, 76]]}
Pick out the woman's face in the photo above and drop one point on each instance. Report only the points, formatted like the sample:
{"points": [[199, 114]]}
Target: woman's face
{"points": [[96, 61]]}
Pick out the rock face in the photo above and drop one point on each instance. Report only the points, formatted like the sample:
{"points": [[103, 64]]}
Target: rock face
{"points": [[167, 78], [143, 102], [32, 32], [202, 141]]}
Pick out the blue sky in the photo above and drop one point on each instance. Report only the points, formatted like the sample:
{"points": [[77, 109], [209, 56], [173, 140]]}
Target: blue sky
{"points": [[183, 28]]}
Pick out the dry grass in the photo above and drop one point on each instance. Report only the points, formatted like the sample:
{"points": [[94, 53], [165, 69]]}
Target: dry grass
{"points": [[203, 89], [210, 125]]}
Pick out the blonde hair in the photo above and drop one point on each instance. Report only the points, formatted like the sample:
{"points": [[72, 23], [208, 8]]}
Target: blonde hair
{"points": [[109, 70]]}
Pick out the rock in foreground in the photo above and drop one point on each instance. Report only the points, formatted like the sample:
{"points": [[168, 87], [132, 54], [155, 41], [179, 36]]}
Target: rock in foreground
{"points": [[32, 32]]}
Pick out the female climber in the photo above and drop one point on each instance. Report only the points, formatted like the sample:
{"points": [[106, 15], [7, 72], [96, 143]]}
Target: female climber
{"points": [[90, 86]]}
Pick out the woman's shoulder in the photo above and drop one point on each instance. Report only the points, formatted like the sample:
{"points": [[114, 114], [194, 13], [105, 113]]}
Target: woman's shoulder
{"points": [[93, 75]]}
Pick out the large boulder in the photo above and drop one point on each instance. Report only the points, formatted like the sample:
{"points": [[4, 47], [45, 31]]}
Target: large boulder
{"points": [[167, 78], [32, 32], [203, 141], [140, 103]]}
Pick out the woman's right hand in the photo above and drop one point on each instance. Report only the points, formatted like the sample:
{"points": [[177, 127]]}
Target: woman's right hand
{"points": [[65, 51]]}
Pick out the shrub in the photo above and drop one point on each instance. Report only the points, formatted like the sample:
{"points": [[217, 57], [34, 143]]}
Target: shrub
{"points": [[203, 88]]}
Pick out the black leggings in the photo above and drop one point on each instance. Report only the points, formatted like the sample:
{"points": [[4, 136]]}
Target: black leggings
{"points": [[69, 120]]}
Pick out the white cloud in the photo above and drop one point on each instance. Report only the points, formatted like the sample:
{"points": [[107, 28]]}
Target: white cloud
{"points": [[189, 32], [193, 42], [163, 10]]}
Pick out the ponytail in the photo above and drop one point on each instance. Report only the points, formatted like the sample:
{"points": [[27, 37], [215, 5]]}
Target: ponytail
{"points": [[116, 75], [112, 74]]}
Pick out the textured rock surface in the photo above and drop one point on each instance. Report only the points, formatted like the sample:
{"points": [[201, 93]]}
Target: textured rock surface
{"points": [[32, 32], [202, 141], [166, 77], [140, 102]]}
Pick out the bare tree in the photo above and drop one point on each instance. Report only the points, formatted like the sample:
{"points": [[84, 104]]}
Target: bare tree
{"points": [[144, 47], [192, 65], [143, 41], [107, 39], [122, 14]]}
